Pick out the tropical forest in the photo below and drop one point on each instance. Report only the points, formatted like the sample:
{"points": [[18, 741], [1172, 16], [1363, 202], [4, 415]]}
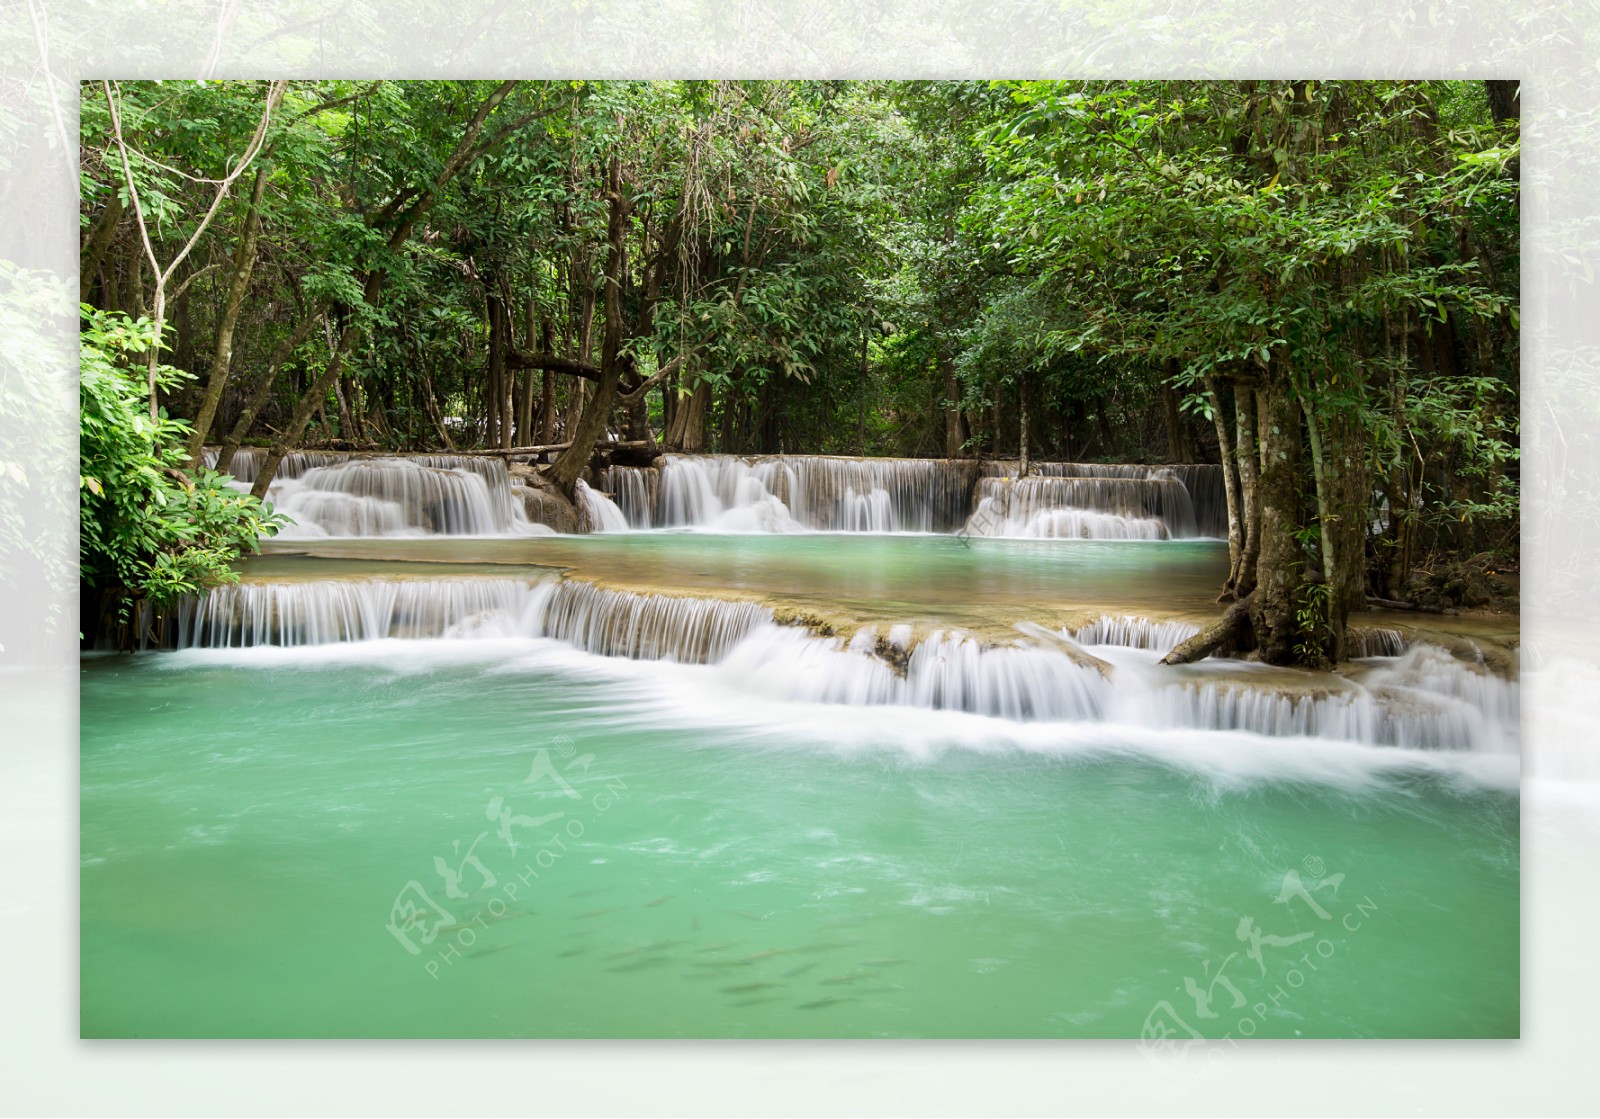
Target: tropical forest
{"points": [[959, 558]]}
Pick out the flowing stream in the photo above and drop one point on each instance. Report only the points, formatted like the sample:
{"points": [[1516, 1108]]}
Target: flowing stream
{"points": [[868, 778]]}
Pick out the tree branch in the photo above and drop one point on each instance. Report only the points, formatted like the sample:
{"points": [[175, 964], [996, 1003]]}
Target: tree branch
{"points": [[635, 394]]}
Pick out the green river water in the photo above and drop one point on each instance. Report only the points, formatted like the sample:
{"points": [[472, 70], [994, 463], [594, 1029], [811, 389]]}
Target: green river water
{"points": [[258, 825]]}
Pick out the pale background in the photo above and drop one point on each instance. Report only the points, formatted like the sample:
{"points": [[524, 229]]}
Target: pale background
{"points": [[46, 46]]}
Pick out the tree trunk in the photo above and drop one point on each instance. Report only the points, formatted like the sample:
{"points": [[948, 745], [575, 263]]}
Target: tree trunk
{"points": [[1177, 445], [1339, 469], [347, 412], [955, 435], [566, 470], [263, 389], [101, 235], [1278, 564], [1248, 455], [687, 432], [311, 400], [1505, 100], [244, 263], [1022, 428], [1230, 487]]}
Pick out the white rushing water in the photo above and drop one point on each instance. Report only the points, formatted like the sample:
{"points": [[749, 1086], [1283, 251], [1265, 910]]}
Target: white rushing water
{"points": [[416, 495], [792, 493], [1104, 673], [328, 494]]}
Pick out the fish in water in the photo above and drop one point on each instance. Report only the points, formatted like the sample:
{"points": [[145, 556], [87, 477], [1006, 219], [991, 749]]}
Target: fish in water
{"points": [[491, 949], [751, 916], [662, 900], [756, 1002], [754, 956], [746, 988], [717, 947], [656, 946], [828, 946], [721, 963], [598, 912], [820, 1003], [800, 970], [852, 977], [647, 962], [572, 952], [694, 922], [885, 961]]}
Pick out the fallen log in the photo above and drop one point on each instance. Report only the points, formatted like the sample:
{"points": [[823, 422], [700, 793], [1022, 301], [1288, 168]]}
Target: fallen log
{"points": [[627, 444], [1396, 604], [1233, 624]]}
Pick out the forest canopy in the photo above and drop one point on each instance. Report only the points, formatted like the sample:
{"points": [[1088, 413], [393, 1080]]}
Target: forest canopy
{"points": [[1313, 284]]}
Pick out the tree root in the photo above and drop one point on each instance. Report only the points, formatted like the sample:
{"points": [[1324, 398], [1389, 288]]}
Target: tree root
{"points": [[1233, 624]]}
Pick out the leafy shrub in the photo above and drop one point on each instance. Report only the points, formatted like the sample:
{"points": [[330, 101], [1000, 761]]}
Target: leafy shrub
{"points": [[148, 526]]}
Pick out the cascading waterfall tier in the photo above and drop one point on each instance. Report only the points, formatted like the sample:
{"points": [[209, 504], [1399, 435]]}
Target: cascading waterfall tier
{"points": [[1104, 672], [612, 623], [943, 672], [1102, 508], [326, 611], [791, 493], [333, 494], [1423, 699], [600, 514], [1202, 482], [1133, 633], [327, 494], [596, 620]]}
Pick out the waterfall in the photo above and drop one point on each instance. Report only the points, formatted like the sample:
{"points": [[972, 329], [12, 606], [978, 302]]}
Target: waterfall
{"points": [[1423, 699], [1133, 633], [945, 671], [788, 493], [634, 489], [646, 626], [1067, 500], [324, 611], [1377, 641], [600, 513], [336, 494], [593, 619], [1098, 508], [328, 494]]}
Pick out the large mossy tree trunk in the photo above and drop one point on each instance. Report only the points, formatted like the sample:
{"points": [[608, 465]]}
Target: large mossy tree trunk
{"points": [[1339, 468], [1279, 562]]}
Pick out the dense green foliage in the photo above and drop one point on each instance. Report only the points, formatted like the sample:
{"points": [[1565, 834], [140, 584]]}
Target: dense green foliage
{"points": [[1141, 271], [146, 525]]}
